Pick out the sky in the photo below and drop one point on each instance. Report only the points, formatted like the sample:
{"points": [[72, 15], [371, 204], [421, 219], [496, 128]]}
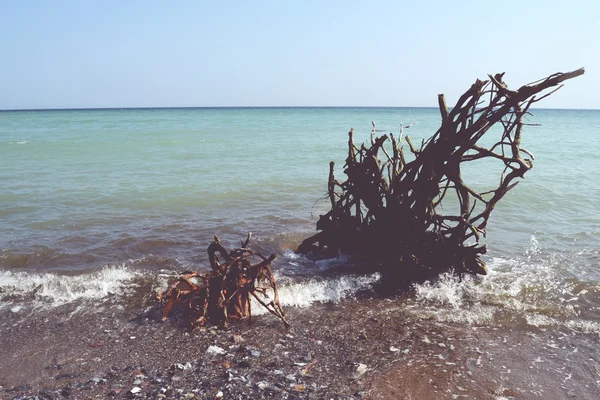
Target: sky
{"points": [[97, 54]]}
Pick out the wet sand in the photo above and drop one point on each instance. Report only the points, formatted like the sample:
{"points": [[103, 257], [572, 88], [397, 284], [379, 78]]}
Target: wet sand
{"points": [[359, 348]]}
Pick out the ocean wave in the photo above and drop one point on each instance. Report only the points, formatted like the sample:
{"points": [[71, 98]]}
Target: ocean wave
{"points": [[294, 293], [48, 290], [531, 290]]}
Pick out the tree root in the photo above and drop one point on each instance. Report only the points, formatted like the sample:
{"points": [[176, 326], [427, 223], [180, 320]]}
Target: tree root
{"points": [[390, 211], [224, 294]]}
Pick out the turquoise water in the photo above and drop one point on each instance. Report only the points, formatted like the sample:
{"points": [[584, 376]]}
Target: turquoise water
{"points": [[146, 189], [77, 180], [104, 174]]}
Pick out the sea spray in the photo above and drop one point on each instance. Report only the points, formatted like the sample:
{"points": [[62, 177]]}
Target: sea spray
{"points": [[521, 291], [303, 293], [47, 290]]}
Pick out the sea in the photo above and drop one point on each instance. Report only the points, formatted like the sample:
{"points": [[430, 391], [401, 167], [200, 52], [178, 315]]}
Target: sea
{"points": [[112, 203]]}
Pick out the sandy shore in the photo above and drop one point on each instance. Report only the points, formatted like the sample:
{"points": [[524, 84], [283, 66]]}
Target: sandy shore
{"points": [[368, 348]]}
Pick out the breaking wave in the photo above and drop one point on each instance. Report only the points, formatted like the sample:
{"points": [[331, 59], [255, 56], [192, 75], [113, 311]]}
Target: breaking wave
{"points": [[306, 293], [533, 290], [52, 290]]}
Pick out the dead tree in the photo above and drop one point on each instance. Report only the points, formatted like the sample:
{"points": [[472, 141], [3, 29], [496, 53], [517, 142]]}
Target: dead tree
{"points": [[390, 211], [226, 292]]}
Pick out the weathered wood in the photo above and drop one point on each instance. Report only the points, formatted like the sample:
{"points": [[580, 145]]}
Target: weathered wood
{"points": [[389, 211], [224, 293], [443, 107]]}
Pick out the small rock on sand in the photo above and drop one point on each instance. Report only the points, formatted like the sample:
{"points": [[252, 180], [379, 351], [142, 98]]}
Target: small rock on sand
{"points": [[215, 350]]}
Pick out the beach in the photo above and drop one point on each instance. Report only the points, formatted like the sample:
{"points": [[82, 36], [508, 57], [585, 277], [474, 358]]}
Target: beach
{"points": [[358, 348]]}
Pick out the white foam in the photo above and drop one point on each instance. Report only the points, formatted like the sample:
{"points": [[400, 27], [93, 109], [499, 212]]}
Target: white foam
{"points": [[579, 325], [51, 290], [304, 294], [532, 288], [534, 247], [448, 290], [452, 299], [292, 255], [583, 326], [539, 320]]}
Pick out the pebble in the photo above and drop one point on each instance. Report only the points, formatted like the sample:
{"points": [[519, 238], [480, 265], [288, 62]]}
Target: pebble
{"points": [[267, 387], [360, 371], [215, 350], [219, 395], [255, 353], [182, 367], [299, 388], [237, 339], [291, 378], [261, 385], [135, 390]]}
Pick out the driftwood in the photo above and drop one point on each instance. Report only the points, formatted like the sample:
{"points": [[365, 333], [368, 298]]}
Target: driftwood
{"points": [[225, 293], [395, 212]]}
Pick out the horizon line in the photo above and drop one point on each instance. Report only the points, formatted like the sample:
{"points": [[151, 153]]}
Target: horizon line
{"points": [[242, 107]]}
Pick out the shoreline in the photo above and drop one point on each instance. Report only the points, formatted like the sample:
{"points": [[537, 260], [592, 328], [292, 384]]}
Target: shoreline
{"points": [[367, 348]]}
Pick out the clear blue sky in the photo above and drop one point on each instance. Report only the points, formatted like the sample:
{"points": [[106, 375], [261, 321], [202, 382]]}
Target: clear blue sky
{"points": [[104, 53]]}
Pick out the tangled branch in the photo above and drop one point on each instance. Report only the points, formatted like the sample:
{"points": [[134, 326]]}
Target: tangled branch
{"points": [[389, 210], [225, 293]]}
